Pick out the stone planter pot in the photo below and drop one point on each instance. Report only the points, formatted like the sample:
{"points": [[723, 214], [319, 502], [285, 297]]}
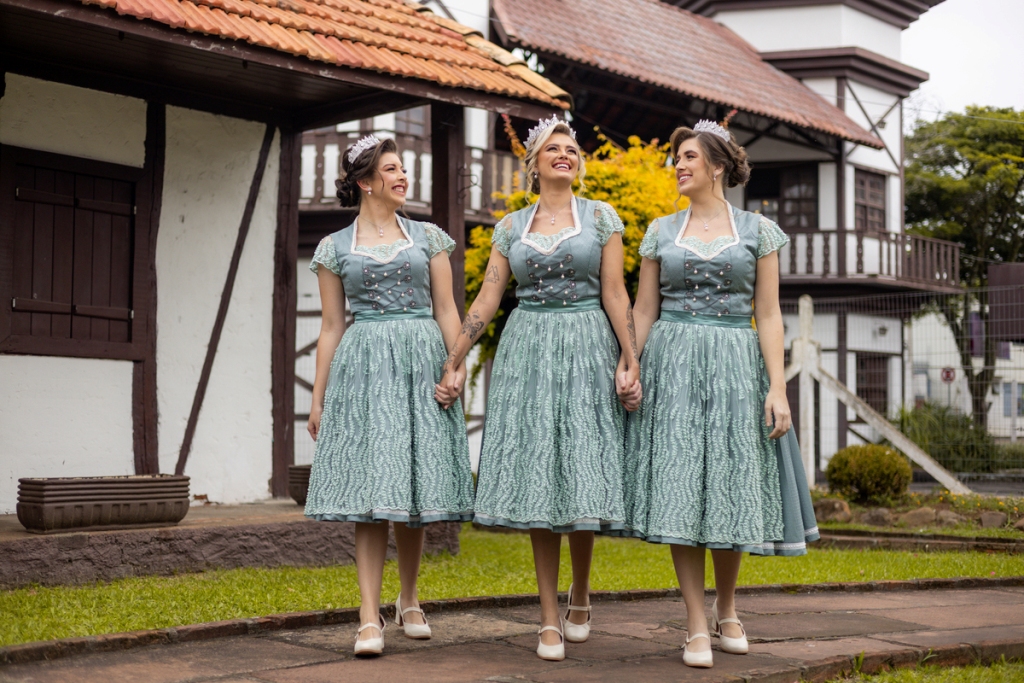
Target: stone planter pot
{"points": [[91, 503], [298, 482]]}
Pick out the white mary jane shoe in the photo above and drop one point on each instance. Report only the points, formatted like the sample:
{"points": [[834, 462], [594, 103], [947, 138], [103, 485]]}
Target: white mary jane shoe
{"points": [[371, 646], [418, 631], [552, 653], [575, 633], [734, 646], [700, 660]]}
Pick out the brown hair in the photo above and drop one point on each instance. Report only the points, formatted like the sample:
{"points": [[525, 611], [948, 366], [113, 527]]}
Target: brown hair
{"points": [[532, 179], [365, 166], [730, 156]]}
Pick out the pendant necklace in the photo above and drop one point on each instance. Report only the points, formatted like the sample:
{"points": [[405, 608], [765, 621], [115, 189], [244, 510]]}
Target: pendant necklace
{"points": [[553, 215], [705, 222], [380, 228]]}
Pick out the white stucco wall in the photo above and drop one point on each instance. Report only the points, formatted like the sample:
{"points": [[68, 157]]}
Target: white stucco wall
{"points": [[53, 117], [210, 162], [876, 103], [63, 417]]}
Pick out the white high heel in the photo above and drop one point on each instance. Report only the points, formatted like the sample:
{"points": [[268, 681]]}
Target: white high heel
{"points": [[700, 660], [418, 631], [735, 646], [553, 653], [575, 633], [371, 646]]}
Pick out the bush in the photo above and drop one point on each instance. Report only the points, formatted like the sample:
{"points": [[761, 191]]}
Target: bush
{"points": [[868, 474], [1009, 456], [951, 438]]}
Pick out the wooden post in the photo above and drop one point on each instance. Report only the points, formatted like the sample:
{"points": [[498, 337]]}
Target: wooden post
{"points": [[809, 360], [841, 371], [448, 152]]}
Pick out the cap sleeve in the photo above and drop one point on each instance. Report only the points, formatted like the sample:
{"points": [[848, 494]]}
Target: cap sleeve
{"points": [[325, 256], [607, 222], [438, 240], [649, 245], [769, 237], [502, 237]]}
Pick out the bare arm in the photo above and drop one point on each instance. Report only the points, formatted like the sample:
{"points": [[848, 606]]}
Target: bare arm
{"points": [[648, 300], [616, 304], [446, 313], [332, 327], [771, 335]]}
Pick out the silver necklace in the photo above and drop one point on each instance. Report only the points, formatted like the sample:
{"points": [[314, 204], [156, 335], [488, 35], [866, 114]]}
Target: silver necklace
{"points": [[553, 215], [705, 222], [380, 228]]}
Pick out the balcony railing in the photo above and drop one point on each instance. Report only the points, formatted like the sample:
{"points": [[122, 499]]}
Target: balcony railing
{"points": [[814, 254], [486, 172]]}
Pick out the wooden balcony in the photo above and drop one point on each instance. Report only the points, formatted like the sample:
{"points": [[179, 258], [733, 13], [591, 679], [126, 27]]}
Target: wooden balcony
{"points": [[869, 261]]}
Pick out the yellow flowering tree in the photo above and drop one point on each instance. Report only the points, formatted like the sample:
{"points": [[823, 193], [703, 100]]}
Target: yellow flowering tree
{"points": [[634, 180]]}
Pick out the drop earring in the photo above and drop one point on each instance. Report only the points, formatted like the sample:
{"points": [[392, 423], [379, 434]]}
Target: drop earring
{"points": [[371, 191]]}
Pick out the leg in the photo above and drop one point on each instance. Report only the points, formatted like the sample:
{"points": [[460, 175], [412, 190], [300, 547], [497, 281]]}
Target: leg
{"points": [[581, 549], [410, 549], [546, 555], [727, 571], [371, 548], [689, 564]]}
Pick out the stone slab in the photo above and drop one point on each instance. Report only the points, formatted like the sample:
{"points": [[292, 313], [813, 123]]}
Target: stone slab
{"points": [[822, 602], [945, 618], [600, 647], [820, 625], [664, 668], [956, 636], [812, 650]]}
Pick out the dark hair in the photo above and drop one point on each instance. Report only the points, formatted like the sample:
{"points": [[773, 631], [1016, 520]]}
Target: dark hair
{"points": [[365, 166], [730, 156]]}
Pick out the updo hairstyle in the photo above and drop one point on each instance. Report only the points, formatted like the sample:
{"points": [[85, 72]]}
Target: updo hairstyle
{"points": [[717, 152], [364, 167], [534, 151]]}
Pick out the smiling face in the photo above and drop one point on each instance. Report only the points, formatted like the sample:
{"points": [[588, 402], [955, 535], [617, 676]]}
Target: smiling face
{"points": [[694, 174], [559, 159], [389, 183]]}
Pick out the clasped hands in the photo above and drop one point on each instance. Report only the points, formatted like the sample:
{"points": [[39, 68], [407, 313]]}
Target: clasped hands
{"points": [[447, 391]]}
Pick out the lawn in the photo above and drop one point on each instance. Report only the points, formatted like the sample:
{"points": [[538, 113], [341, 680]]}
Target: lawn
{"points": [[489, 564], [1001, 672]]}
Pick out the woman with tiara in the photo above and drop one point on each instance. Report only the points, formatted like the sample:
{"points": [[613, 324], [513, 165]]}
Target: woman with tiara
{"points": [[551, 460], [385, 448], [711, 460]]}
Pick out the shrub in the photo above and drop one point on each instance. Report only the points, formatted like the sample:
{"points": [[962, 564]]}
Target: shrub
{"points": [[1009, 456], [868, 474], [951, 438]]}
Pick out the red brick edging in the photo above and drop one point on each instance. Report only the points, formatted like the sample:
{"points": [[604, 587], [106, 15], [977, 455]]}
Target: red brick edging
{"points": [[66, 647]]}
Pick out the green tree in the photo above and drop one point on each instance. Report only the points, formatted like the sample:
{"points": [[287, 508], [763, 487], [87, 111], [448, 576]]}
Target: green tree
{"points": [[965, 183]]}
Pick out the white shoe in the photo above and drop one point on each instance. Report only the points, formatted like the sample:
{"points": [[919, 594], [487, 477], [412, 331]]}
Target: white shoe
{"points": [[371, 646], [553, 653], [419, 631], [575, 633], [700, 660], [735, 646]]}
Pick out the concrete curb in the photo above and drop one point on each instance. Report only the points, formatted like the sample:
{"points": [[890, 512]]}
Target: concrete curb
{"points": [[67, 647], [889, 540]]}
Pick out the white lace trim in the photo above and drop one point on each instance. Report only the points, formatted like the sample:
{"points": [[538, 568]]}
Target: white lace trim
{"points": [[681, 243], [565, 234], [365, 251]]}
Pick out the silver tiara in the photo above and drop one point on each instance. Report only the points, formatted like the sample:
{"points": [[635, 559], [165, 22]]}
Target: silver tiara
{"points": [[369, 142], [542, 126], [706, 126]]}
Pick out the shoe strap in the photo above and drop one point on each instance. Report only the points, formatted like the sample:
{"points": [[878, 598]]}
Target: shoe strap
{"points": [[550, 628], [412, 609], [730, 620], [574, 608], [695, 636], [379, 626]]}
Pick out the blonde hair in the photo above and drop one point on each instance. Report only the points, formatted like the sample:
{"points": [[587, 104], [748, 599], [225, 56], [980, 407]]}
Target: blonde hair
{"points": [[533, 179]]}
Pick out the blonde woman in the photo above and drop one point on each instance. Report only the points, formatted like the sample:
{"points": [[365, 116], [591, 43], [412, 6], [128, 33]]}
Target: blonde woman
{"points": [[553, 443]]}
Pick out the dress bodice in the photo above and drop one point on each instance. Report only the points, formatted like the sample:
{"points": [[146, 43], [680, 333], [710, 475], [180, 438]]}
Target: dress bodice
{"points": [[387, 278], [710, 278], [564, 267]]}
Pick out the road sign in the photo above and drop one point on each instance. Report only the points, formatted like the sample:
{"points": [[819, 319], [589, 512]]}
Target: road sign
{"points": [[948, 375]]}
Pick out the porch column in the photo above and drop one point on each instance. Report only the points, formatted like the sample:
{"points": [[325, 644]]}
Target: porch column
{"points": [[448, 151], [841, 425]]}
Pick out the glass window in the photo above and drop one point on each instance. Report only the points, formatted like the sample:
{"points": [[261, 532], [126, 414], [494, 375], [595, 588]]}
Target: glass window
{"points": [[412, 122], [869, 201], [786, 194]]}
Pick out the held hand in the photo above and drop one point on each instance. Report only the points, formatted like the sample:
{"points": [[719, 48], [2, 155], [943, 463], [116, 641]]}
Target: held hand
{"points": [[627, 385], [777, 405], [313, 426]]}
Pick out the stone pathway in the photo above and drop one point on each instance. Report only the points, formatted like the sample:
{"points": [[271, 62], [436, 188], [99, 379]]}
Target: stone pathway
{"points": [[816, 635]]}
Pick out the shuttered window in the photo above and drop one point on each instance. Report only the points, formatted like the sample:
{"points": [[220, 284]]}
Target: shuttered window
{"points": [[869, 201]]}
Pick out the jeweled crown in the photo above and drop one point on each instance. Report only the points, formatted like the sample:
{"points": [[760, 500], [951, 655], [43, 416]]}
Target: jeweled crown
{"points": [[368, 142], [542, 126], [706, 126]]}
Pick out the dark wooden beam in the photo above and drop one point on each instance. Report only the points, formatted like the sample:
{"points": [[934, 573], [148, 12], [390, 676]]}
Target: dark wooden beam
{"points": [[282, 363], [225, 301], [144, 396], [362, 107], [448, 186]]}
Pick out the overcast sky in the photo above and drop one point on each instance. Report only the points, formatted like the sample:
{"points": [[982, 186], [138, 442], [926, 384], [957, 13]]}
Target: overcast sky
{"points": [[974, 51]]}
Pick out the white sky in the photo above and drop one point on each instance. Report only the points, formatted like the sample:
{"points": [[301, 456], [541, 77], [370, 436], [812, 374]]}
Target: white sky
{"points": [[974, 52]]}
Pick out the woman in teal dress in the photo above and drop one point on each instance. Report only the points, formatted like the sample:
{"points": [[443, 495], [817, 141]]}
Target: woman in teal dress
{"points": [[711, 460], [385, 448], [551, 460]]}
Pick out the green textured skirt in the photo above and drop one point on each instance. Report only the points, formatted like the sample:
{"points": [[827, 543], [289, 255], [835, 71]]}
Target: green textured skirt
{"points": [[386, 449], [701, 469], [553, 437]]}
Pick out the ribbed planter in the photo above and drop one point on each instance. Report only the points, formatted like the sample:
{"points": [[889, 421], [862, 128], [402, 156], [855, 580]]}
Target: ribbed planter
{"points": [[298, 482], [90, 503]]}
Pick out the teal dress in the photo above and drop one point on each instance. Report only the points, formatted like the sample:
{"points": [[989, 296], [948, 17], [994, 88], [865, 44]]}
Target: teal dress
{"points": [[386, 449], [553, 436], [701, 469]]}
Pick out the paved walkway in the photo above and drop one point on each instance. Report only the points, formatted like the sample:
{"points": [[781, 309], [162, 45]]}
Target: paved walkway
{"points": [[638, 641]]}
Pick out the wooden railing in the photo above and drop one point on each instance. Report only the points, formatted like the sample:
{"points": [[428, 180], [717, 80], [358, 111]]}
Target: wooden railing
{"points": [[816, 253], [486, 172]]}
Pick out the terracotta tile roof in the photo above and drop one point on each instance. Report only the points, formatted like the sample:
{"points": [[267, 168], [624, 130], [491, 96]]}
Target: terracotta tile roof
{"points": [[387, 36], [664, 46]]}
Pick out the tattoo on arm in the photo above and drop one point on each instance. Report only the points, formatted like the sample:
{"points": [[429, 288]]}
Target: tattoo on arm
{"points": [[492, 274], [631, 329], [472, 326]]}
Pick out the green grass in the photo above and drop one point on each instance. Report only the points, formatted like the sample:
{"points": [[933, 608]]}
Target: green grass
{"points": [[1000, 672], [489, 564], [966, 530]]}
